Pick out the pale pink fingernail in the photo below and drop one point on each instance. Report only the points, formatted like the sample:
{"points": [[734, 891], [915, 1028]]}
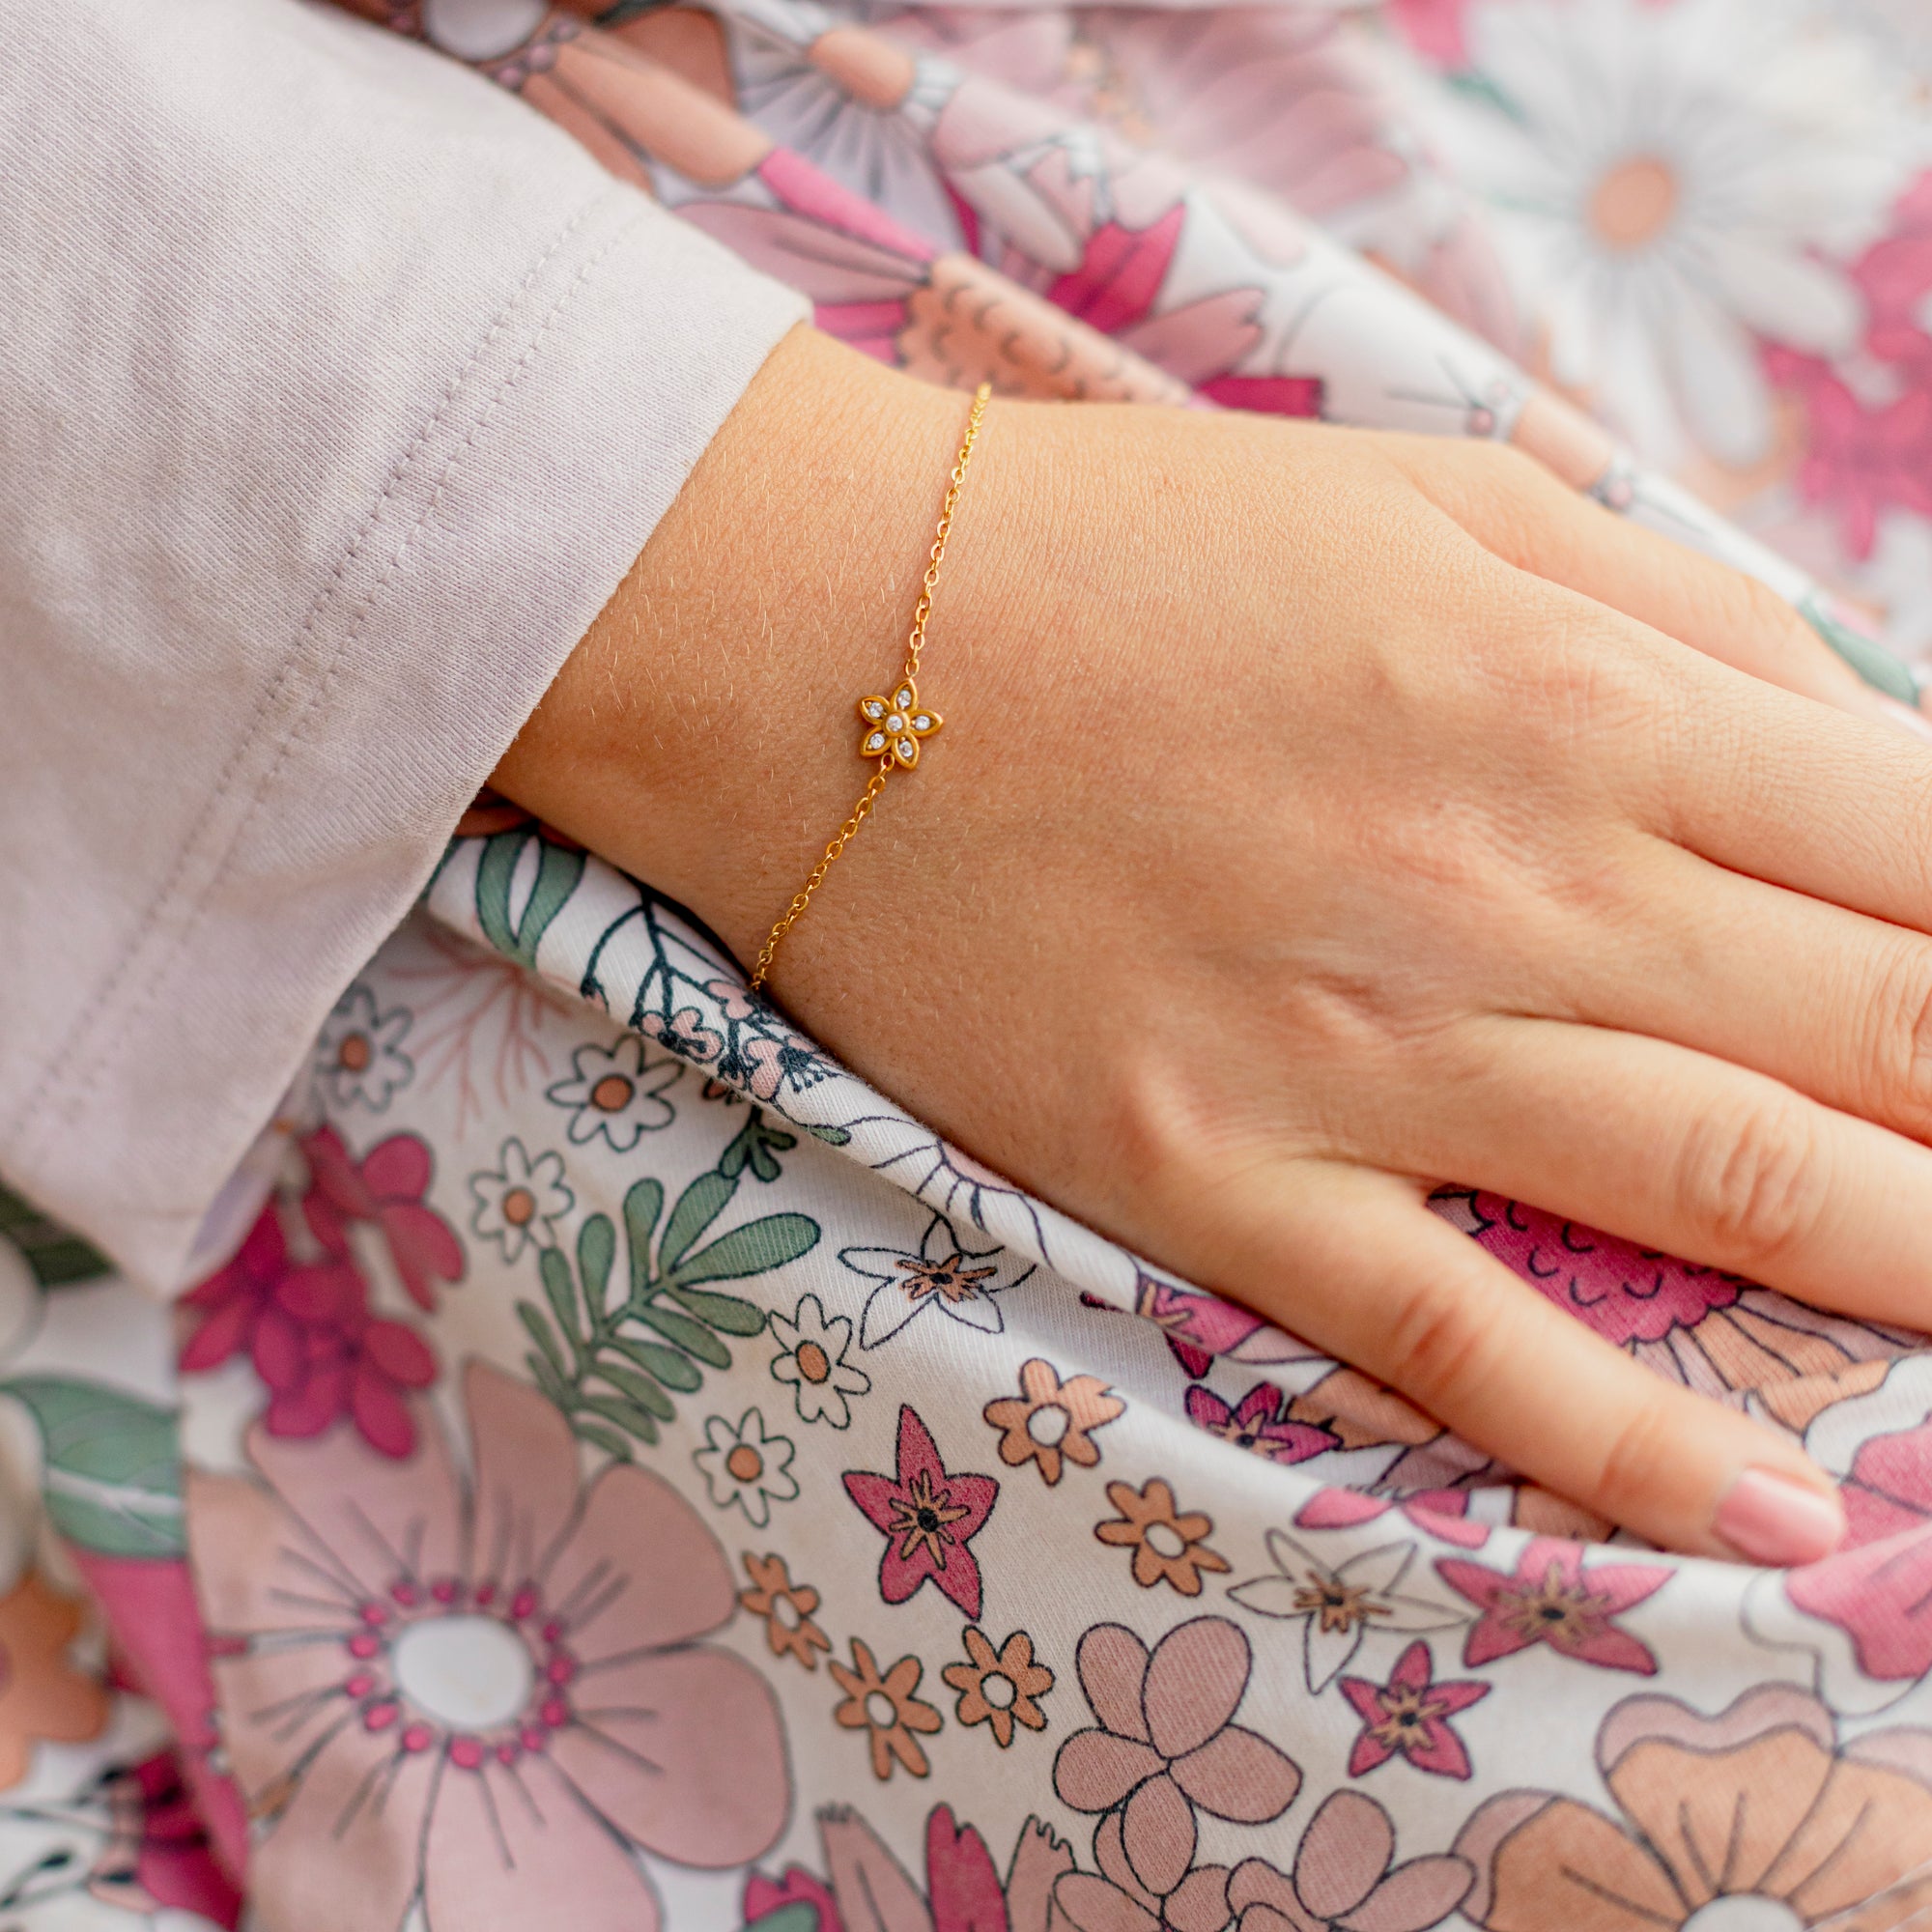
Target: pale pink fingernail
{"points": [[1774, 1520]]}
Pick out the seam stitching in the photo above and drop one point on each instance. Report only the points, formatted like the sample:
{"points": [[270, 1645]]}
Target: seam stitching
{"points": [[97, 1018]]}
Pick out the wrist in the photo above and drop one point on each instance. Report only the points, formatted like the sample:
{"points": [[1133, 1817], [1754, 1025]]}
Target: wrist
{"points": [[700, 735]]}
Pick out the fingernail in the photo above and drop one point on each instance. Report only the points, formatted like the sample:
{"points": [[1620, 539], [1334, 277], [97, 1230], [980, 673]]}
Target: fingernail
{"points": [[1905, 716], [1773, 1521]]}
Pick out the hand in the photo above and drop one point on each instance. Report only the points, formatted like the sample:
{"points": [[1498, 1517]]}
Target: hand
{"points": [[1320, 815]]}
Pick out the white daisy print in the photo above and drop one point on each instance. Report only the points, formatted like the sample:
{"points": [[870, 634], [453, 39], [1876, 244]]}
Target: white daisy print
{"points": [[812, 1362], [358, 1059], [1670, 184], [945, 1274], [616, 1092], [1337, 1608], [746, 1466], [520, 1200]]}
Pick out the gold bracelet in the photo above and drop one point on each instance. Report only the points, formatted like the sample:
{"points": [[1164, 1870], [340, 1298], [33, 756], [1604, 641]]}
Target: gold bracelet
{"points": [[890, 730]]}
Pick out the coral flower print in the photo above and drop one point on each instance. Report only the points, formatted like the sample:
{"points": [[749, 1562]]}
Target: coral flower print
{"points": [[746, 1466], [999, 1687], [1051, 1423], [786, 1609], [812, 1362], [1257, 1423], [1753, 1817], [616, 1094], [1410, 1716], [884, 1707], [1346, 1880], [43, 1697], [1338, 1606], [359, 1057], [946, 1275], [1167, 1745], [520, 1201], [1552, 1597], [491, 1696], [1170, 1545], [929, 1516]]}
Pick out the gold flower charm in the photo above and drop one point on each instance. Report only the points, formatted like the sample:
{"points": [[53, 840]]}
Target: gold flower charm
{"points": [[892, 727]]}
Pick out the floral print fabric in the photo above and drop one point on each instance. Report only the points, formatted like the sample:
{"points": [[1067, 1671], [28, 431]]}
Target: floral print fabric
{"points": [[633, 1475]]}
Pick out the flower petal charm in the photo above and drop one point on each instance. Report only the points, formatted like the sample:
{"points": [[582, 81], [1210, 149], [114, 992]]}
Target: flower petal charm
{"points": [[894, 727]]}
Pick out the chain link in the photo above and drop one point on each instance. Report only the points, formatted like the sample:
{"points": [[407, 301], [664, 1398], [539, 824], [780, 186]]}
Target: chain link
{"points": [[914, 644]]}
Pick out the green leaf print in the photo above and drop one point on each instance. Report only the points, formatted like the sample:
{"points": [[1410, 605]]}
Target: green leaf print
{"points": [[611, 1363], [53, 1257], [113, 1465]]}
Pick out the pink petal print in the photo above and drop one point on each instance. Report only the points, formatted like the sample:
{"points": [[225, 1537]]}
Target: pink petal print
{"points": [[398, 1169], [1095, 1770], [368, 1510], [525, 1477], [1092, 1905], [874, 1495], [659, 1739], [961, 1882], [1342, 1855], [1111, 1664], [1238, 1775], [351, 1835], [640, 1569], [1157, 1834], [504, 1847], [1195, 1681], [380, 1415]]}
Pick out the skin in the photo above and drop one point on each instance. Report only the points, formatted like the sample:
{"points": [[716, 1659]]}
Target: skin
{"points": [[1320, 815]]}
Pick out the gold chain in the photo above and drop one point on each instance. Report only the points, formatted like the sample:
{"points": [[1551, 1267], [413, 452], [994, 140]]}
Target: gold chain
{"points": [[892, 728]]}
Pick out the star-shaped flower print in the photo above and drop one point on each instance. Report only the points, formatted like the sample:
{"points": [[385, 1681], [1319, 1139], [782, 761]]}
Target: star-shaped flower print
{"points": [[1257, 1423], [929, 1516], [1338, 1606], [1551, 1597], [946, 1275], [1409, 1715]]}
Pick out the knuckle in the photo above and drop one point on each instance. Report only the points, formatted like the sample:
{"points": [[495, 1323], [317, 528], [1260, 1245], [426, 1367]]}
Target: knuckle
{"points": [[1640, 1456], [1901, 1074], [1751, 1181], [1438, 1346]]}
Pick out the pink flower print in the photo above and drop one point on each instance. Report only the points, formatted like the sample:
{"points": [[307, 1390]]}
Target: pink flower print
{"points": [[1625, 1293], [1877, 1588], [1199, 1327], [794, 1887], [490, 1695], [1410, 1716], [1894, 276], [929, 1516], [1116, 1901], [386, 1187], [684, 1033], [1433, 28], [1861, 459], [1166, 1743], [1345, 1876], [308, 1332], [1551, 1597], [734, 1001], [1258, 1424], [1442, 1513]]}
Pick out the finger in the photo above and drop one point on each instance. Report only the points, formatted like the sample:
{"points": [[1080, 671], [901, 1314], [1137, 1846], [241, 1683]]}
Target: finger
{"points": [[1828, 1001], [1351, 1260], [1518, 510], [1681, 1152]]}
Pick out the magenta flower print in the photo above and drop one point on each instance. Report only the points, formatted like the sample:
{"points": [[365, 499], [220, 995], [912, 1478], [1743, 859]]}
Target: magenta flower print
{"points": [[1551, 1598], [308, 1332], [1167, 1745], [387, 1186], [1199, 1327], [1258, 1424], [929, 1516], [1410, 1716], [485, 1695]]}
